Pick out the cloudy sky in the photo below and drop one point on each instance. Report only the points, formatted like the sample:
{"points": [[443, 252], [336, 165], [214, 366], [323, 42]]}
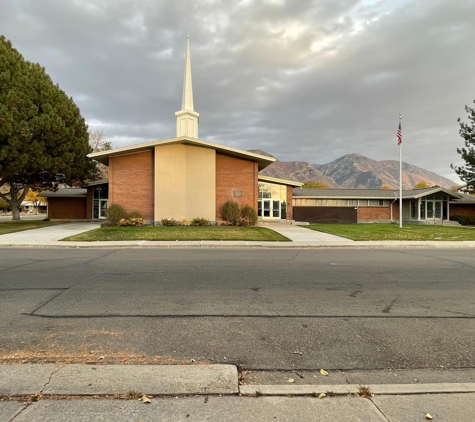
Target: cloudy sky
{"points": [[303, 80]]}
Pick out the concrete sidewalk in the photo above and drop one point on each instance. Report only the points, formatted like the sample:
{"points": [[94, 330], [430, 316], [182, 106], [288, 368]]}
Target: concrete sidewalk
{"points": [[300, 238], [50, 392]]}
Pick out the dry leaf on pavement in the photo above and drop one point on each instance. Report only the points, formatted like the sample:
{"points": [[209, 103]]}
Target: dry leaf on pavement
{"points": [[291, 380], [144, 399], [428, 416], [323, 372]]}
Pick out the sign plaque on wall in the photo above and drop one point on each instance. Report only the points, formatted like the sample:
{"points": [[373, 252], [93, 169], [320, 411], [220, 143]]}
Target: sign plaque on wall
{"points": [[237, 193]]}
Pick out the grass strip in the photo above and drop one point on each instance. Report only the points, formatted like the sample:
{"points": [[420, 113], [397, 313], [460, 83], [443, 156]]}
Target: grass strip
{"points": [[260, 234], [377, 231]]}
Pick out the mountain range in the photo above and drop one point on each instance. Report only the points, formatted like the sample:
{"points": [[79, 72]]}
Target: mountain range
{"points": [[354, 171]]}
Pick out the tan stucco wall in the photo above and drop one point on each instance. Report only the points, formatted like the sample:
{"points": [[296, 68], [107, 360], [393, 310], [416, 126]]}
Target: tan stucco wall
{"points": [[185, 182]]}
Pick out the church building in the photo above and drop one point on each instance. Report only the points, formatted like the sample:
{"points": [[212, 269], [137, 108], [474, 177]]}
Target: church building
{"points": [[182, 177]]}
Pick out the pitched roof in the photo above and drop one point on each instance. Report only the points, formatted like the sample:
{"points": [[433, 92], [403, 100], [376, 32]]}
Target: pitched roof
{"points": [[370, 193], [466, 199], [262, 160]]}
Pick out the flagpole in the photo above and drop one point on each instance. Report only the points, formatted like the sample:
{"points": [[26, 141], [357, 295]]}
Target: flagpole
{"points": [[400, 178]]}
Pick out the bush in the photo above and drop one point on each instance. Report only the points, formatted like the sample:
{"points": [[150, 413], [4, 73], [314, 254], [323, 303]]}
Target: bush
{"points": [[134, 214], [115, 213], [203, 222], [231, 213], [464, 220], [137, 222], [248, 216], [185, 222], [169, 222]]}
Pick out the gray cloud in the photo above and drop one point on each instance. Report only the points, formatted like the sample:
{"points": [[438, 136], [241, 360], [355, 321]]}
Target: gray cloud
{"points": [[303, 80]]}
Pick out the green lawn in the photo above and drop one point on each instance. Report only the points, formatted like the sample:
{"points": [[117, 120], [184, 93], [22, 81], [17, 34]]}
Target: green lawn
{"points": [[378, 231], [18, 226], [180, 233]]}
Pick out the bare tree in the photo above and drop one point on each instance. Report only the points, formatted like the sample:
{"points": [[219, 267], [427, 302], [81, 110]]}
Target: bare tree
{"points": [[97, 140]]}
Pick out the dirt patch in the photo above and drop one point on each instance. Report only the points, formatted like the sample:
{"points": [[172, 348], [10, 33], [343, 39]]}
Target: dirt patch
{"points": [[91, 357]]}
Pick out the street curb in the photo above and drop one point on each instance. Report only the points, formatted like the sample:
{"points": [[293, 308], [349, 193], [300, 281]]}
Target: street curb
{"points": [[248, 245], [342, 389], [96, 380], [163, 380]]}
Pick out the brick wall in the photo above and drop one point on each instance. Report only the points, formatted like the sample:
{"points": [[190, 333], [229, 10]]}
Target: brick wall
{"points": [[378, 213], [466, 209], [131, 182], [290, 211], [67, 208], [234, 177]]}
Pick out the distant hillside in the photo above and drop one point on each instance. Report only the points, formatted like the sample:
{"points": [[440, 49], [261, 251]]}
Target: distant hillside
{"points": [[299, 171], [355, 171]]}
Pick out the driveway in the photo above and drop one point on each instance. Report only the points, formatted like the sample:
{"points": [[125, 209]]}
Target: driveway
{"points": [[300, 234], [47, 234]]}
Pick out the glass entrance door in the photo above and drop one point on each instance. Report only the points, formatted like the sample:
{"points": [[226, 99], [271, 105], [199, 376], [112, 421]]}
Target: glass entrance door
{"points": [[269, 208], [102, 208]]}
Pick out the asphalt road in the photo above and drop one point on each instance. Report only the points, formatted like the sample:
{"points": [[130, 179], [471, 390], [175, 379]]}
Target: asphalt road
{"points": [[338, 308]]}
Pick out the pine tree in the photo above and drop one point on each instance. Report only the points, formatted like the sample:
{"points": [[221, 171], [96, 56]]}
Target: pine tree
{"points": [[43, 138], [467, 132]]}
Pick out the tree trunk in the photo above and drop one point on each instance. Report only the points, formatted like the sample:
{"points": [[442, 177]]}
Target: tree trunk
{"points": [[17, 195], [15, 211]]}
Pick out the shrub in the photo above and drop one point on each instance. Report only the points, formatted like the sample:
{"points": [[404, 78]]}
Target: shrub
{"points": [[134, 214], [137, 222], [248, 216], [231, 212], [464, 220], [169, 222], [203, 222], [185, 222], [115, 213]]}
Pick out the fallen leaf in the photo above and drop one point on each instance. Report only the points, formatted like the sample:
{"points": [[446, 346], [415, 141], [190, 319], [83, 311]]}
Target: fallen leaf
{"points": [[298, 353], [321, 396], [428, 416], [144, 399], [193, 360], [323, 372], [101, 357], [291, 380]]}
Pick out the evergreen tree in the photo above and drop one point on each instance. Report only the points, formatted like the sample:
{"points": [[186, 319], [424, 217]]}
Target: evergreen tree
{"points": [[467, 132], [43, 138]]}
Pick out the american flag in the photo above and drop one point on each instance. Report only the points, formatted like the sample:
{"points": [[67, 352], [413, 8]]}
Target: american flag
{"points": [[399, 134]]}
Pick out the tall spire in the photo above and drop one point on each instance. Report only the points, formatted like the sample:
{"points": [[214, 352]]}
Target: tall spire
{"points": [[187, 119], [187, 102]]}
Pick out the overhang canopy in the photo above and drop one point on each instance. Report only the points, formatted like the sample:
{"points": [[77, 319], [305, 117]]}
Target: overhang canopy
{"points": [[279, 181]]}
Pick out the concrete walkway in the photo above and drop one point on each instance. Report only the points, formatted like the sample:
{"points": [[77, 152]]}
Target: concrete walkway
{"points": [[301, 234], [212, 393], [46, 235]]}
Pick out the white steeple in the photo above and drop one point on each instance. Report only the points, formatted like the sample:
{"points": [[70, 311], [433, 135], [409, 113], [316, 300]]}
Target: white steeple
{"points": [[187, 119]]}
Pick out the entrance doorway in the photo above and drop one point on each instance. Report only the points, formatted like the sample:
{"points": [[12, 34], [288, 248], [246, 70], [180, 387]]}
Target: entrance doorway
{"points": [[103, 208], [269, 208]]}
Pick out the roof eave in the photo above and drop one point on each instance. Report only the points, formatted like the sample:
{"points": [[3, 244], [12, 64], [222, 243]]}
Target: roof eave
{"points": [[279, 181], [262, 160]]}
